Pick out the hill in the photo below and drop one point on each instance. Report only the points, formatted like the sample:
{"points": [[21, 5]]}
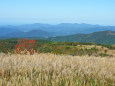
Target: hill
{"points": [[102, 37], [30, 34], [4, 31], [67, 48]]}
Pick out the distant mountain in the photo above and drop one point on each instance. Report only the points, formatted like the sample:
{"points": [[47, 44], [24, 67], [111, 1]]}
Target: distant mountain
{"points": [[57, 30], [29, 34], [4, 31], [102, 37]]}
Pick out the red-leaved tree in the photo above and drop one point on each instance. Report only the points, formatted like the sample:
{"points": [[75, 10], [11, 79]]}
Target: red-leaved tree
{"points": [[25, 45]]}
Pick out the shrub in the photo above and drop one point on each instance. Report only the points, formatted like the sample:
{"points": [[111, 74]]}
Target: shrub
{"points": [[103, 54], [67, 47]]}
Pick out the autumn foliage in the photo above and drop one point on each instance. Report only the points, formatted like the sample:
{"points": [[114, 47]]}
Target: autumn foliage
{"points": [[25, 45]]}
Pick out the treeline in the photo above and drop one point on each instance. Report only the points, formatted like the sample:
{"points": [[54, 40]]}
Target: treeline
{"points": [[7, 45], [69, 48]]}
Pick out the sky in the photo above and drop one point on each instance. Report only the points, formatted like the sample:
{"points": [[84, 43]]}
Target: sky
{"points": [[57, 11]]}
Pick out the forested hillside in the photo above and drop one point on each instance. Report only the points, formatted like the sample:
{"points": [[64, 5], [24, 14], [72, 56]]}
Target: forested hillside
{"points": [[102, 37]]}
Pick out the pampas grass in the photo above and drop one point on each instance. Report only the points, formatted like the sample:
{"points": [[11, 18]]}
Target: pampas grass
{"points": [[56, 70]]}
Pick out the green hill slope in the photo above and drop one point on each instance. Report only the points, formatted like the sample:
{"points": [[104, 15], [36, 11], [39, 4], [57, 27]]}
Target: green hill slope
{"points": [[102, 37]]}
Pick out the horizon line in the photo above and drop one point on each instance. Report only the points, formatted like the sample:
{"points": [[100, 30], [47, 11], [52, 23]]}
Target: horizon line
{"points": [[18, 24]]}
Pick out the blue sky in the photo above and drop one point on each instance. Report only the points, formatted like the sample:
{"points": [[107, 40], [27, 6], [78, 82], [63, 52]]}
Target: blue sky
{"points": [[57, 11]]}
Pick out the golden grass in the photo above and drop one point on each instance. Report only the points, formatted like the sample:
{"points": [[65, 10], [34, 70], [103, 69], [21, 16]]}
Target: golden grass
{"points": [[100, 49], [56, 70], [91, 46]]}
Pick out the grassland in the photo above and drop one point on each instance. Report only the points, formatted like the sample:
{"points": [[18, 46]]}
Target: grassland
{"points": [[56, 70]]}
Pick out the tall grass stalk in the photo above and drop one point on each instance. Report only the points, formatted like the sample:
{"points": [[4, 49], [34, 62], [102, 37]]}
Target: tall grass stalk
{"points": [[56, 70]]}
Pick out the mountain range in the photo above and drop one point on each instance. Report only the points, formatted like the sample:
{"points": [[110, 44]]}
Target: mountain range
{"points": [[21, 34], [61, 32], [53, 30]]}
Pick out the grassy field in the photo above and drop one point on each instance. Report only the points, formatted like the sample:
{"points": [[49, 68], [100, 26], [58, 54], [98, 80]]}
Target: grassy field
{"points": [[56, 70]]}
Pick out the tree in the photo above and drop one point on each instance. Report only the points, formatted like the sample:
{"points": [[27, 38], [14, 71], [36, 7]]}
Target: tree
{"points": [[25, 45]]}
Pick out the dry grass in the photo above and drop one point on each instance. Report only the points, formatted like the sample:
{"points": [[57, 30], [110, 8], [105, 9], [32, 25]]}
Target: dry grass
{"points": [[100, 49], [56, 70], [91, 46]]}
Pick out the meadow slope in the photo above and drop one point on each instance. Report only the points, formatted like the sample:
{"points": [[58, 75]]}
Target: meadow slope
{"points": [[56, 70]]}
